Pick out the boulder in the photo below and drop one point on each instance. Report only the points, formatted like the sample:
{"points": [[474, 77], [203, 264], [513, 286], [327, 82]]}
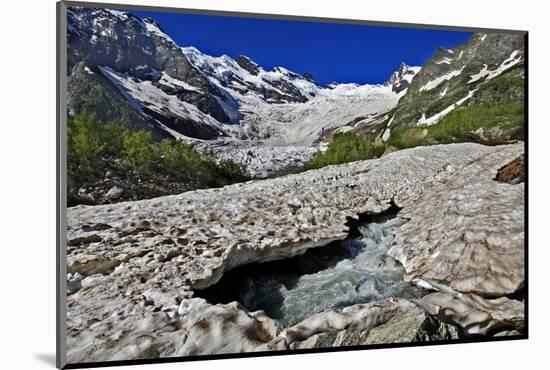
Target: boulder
{"points": [[412, 325], [114, 193]]}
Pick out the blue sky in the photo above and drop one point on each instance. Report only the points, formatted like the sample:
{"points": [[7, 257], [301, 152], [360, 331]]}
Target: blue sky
{"points": [[331, 52]]}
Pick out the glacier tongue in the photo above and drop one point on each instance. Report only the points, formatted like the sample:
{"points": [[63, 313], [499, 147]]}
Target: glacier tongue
{"points": [[261, 159], [295, 123], [273, 136]]}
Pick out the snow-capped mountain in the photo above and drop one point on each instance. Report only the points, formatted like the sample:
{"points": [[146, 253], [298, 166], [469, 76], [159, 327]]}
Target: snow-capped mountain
{"points": [[128, 69]]}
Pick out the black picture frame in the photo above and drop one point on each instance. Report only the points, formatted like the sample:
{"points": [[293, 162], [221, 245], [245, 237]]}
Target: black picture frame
{"points": [[61, 175]]}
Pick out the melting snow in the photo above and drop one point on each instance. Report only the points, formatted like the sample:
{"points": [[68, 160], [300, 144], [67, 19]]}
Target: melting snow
{"points": [[507, 64], [261, 159], [293, 123], [423, 121], [224, 67], [117, 80], [390, 121], [386, 134], [436, 82], [444, 91], [512, 60], [484, 72], [409, 76]]}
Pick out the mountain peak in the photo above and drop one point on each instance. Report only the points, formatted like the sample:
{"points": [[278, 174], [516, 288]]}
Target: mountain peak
{"points": [[248, 64], [122, 15], [402, 77], [152, 21]]}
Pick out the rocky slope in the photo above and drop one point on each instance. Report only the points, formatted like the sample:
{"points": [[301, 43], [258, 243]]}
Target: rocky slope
{"points": [[487, 70], [134, 267], [127, 69]]}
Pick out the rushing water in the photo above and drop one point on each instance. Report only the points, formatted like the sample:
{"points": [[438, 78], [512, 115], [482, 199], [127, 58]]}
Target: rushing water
{"points": [[357, 270]]}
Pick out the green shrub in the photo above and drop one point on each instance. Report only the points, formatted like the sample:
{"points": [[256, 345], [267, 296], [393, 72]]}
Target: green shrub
{"points": [[90, 143], [180, 160], [404, 137], [113, 135], [85, 142], [89, 140], [346, 147], [461, 124], [138, 150], [229, 171]]}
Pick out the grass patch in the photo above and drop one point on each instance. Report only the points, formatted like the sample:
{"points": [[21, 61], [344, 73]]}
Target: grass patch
{"points": [[462, 125]]}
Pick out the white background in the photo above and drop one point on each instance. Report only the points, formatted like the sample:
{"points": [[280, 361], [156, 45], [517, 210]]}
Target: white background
{"points": [[27, 182]]}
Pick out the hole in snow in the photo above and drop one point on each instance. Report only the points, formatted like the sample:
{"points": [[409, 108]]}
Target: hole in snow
{"points": [[343, 273]]}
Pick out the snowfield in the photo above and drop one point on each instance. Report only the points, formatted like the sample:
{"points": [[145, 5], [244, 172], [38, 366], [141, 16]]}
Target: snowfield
{"points": [[138, 265]]}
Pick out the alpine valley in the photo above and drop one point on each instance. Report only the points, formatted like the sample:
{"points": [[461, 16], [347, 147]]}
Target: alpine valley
{"points": [[304, 215], [128, 70]]}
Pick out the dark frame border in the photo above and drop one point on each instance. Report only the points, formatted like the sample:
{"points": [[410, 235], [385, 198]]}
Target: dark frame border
{"points": [[61, 189]]}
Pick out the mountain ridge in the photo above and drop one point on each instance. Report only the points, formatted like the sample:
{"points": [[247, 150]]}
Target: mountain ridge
{"points": [[209, 83]]}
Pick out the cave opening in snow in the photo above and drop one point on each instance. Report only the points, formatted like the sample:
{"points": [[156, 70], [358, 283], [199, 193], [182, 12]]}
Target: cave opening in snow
{"points": [[342, 273]]}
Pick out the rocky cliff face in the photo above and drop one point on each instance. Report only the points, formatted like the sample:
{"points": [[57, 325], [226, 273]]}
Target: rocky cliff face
{"points": [[134, 267], [113, 44]]}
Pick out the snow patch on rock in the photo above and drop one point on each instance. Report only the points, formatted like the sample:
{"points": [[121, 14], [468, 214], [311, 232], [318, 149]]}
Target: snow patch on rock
{"points": [[423, 121], [437, 81]]}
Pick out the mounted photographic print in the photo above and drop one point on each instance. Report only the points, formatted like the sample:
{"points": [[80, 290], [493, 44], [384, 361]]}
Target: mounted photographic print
{"points": [[234, 184]]}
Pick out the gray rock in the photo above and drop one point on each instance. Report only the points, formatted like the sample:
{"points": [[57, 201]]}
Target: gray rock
{"points": [[412, 325], [114, 193], [507, 333]]}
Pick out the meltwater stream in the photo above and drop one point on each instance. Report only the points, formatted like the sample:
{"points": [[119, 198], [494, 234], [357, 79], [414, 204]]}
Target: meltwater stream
{"points": [[357, 270]]}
